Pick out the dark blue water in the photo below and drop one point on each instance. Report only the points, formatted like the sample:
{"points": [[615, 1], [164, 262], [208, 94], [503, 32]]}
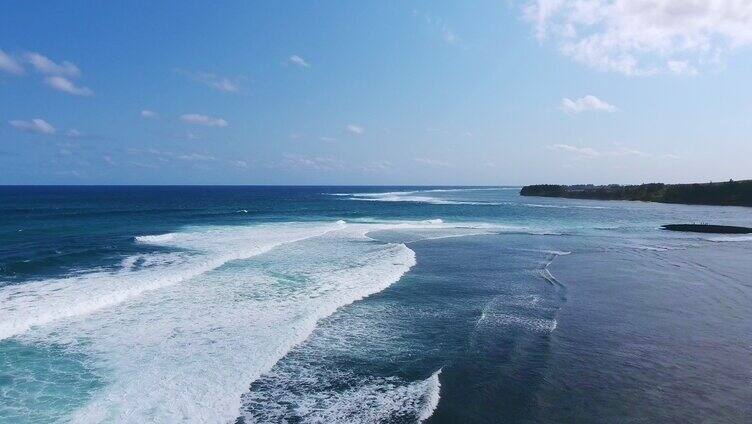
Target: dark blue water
{"points": [[378, 304]]}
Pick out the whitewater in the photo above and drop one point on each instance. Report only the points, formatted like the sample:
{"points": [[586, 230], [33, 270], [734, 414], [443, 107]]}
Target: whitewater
{"points": [[179, 334]]}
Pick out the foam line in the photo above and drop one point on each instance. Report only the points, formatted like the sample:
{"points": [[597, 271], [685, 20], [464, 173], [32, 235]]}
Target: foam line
{"points": [[194, 325], [418, 196], [433, 396], [720, 239], [27, 305]]}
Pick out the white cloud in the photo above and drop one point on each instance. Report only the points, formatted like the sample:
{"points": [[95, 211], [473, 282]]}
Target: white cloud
{"points": [[224, 84], [315, 163], [433, 162], [9, 64], [681, 67], [355, 129], [643, 37], [148, 114], [585, 104], [194, 118], [38, 126], [447, 34], [377, 166], [46, 66], [591, 153], [57, 75], [213, 81], [73, 133], [67, 86], [582, 151], [298, 61], [327, 139], [198, 157]]}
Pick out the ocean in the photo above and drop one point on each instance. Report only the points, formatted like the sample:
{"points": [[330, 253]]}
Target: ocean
{"points": [[368, 305]]}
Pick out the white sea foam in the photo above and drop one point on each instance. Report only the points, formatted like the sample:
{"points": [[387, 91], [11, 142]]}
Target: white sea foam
{"points": [[557, 252], [307, 393], [433, 396], [542, 325], [158, 238], [436, 190], [552, 206], [422, 199], [729, 238], [26, 305], [545, 273], [528, 307], [179, 336], [419, 196]]}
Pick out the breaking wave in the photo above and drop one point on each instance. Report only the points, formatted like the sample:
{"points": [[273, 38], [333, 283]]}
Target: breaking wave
{"points": [[420, 196], [195, 323], [305, 394]]}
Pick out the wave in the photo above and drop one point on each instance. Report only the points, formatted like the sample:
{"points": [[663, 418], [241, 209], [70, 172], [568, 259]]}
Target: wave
{"points": [[195, 326], [419, 196], [545, 272], [543, 325], [551, 206], [423, 196], [422, 199], [433, 396], [309, 393], [436, 190], [37, 303], [727, 238], [494, 314]]}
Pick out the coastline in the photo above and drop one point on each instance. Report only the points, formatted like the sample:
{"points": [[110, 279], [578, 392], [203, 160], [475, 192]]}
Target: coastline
{"points": [[730, 193]]}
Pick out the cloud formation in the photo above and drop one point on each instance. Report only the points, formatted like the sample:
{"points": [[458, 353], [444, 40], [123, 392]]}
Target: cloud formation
{"points": [[58, 76], [582, 151], [433, 162], [586, 104], [315, 163], [643, 37], [298, 61], [46, 66], [9, 64], [447, 34], [67, 86], [591, 153], [195, 118], [197, 157], [37, 126], [355, 129], [214, 81], [148, 114]]}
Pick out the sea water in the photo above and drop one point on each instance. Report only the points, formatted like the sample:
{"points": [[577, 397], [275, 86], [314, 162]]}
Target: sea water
{"points": [[367, 304]]}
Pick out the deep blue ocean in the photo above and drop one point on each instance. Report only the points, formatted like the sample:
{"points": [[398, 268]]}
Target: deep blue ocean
{"points": [[368, 305]]}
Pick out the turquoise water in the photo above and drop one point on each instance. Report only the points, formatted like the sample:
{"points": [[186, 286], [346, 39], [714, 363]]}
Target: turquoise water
{"points": [[378, 304]]}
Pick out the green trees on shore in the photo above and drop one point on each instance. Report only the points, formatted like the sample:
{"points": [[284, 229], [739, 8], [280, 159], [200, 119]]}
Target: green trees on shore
{"points": [[737, 193]]}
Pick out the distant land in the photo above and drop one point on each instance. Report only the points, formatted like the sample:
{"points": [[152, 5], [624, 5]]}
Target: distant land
{"points": [[708, 228], [729, 193]]}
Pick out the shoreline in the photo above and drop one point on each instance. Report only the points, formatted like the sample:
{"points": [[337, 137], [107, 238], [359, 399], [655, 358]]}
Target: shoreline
{"points": [[730, 193]]}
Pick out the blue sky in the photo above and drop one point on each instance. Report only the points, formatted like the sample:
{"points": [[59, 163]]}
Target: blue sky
{"points": [[342, 92]]}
